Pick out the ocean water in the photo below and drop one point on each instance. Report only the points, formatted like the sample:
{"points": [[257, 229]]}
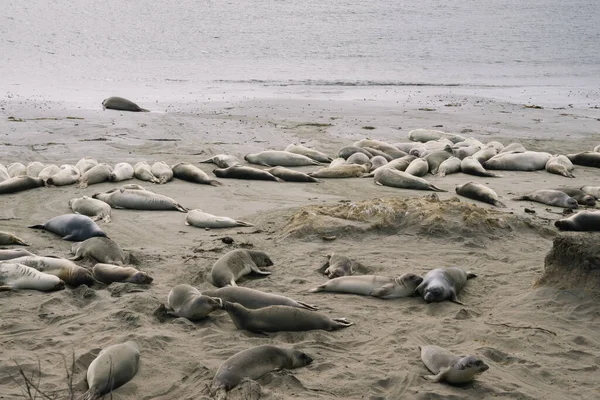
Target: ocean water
{"points": [[103, 44]]}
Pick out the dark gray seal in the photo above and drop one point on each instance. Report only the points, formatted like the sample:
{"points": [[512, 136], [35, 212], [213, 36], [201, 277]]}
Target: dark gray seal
{"points": [[584, 221], [587, 159], [74, 227], [121, 104], [191, 173], [252, 299], [478, 191], [444, 284], [243, 172], [20, 183]]}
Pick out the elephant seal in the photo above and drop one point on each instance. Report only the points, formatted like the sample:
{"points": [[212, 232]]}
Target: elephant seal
{"points": [[69, 272], [587, 159], [383, 154], [281, 319], [223, 160], [560, 165], [289, 175], [19, 184], [418, 167], [360, 158], [200, 219], [449, 367], [143, 172], [310, 153], [449, 166], [526, 161], [238, 263], [551, 197], [121, 104], [74, 227], [85, 164], [274, 158], [95, 209], [425, 135], [9, 254], [253, 299], [496, 145], [464, 152], [134, 199], [48, 171], [384, 147], [418, 150], [444, 284], [485, 154], [478, 191], [115, 366], [102, 249], [346, 152], [254, 363], [583, 221], [67, 175], [435, 159], [377, 162], [162, 172], [373, 285], [243, 172], [34, 168], [121, 172], [7, 238], [97, 174], [471, 166], [592, 191], [399, 179], [191, 173], [337, 265], [14, 276], [186, 301], [109, 273], [579, 195], [399, 164], [16, 169], [342, 171]]}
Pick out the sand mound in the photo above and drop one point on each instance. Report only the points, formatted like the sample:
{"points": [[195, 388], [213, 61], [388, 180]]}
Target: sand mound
{"points": [[573, 262], [428, 216]]}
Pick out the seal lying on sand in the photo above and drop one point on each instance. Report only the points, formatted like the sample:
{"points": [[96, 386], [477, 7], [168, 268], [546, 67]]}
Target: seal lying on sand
{"points": [[579, 195], [97, 174], [71, 273], [67, 175], [551, 197], [449, 166], [310, 153], [191, 173], [400, 179], [587, 158], [478, 191], [74, 227], [243, 172], [34, 168], [85, 164], [238, 263], [108, 273], [14, 276], [342, 171], [254, 363], [252, 299], [115, 366], [273, 158], [444, 284], [582, 221], [281, 319], [102, 249], [289, 175], [10, 254], [121, 104], [373, 285], [187, 302], [162, 171], [123, 171], [223, 160], [139, 200], [449, 367], [7, 238], [560, 165], [20, 183], [337, 265], [143, 172], [93, 208], [200, 219]]}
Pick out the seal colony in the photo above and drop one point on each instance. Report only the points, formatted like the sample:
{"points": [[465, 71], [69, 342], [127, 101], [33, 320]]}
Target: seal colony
{"points": [[402, 166]]}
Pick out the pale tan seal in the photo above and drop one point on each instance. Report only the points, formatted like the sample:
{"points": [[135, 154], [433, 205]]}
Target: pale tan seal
{"points": [[252, 299], [275, 158], [418, 167], [496, 145], [517, 161], [34, 168], [109, 273], [485, 154], [135, 199], [143, 172], [400, 179], [238, 263], [310, 153], [377, 162], [471, 166], [9, 254], [592, 191], [444, 284], [201, 219], [337, 265], [399, 164], [121, 172], [243, 172], [97, 174], [253, 363], [162, 172], [387, 148], [281, 319], [513, 148], [583, 221], [85, 164], [71, 273], [560, 165], [550, 197], [121, 104], [115, 366], [67, 175], [449, 166], [7, 238], [102, 249], [191, 173], [435, 159], [95, 209], [448, 367], [478, 191], [19, 184], [360, 158], [223, 160], [16, 169], [464, 152], [425, 135], [48, 171], [373, 285], [186, 301], [346, 152], [342, 171], [15, 276], [289, 175]]}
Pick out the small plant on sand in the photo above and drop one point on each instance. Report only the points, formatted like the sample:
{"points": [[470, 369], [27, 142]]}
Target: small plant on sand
{"points": [[30, 384]]}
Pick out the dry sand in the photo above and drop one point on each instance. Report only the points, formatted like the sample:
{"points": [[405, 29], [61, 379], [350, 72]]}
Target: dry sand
{"points": [[540, 343]]}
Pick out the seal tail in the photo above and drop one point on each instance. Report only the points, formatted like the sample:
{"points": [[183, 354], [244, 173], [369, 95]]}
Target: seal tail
{"points": [[317, 289], [342, 323], [181, 208], [209, 161], [143, 110], [500, 204], [308, 306], [520, 198], [242, 223], [37, 227], [471, 275], [20, 241], [568, 174], [213, 182], [435, 188]]}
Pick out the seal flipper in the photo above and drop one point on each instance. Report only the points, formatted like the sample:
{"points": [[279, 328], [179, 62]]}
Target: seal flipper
{"points": [[180, 208], [308, 306], [70, 236], [471, 275], [242, 223], [454, 299], [19, 241], [341, 323], [439, 377], [498, 203], [258, 271], [213, 182], [318, 289], [435, 188], [37, 226], [6, 287]]}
